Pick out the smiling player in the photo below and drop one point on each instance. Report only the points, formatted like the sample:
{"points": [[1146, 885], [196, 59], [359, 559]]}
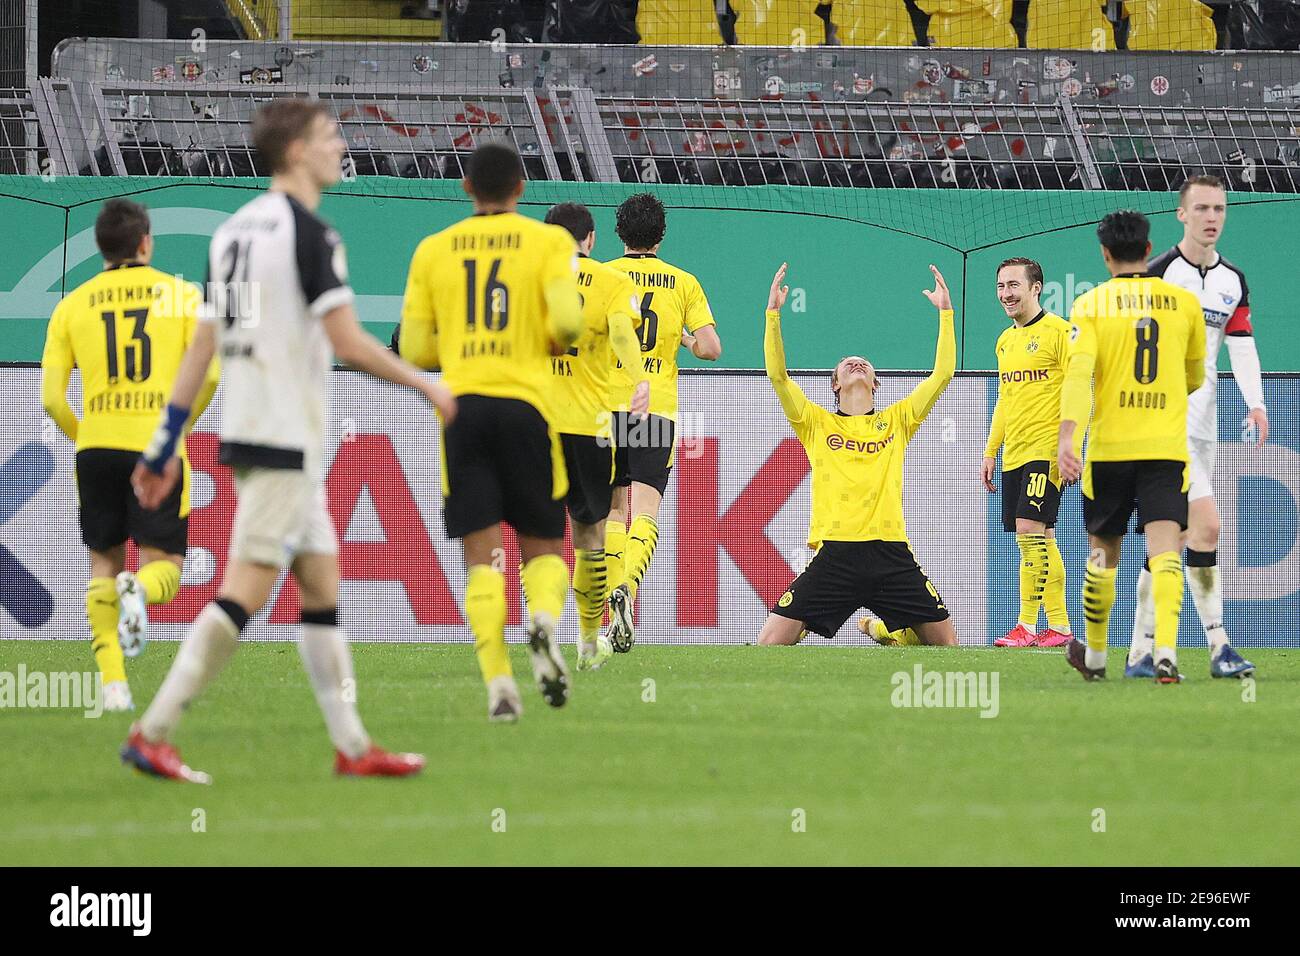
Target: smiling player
{"points": [[1032, 354]]}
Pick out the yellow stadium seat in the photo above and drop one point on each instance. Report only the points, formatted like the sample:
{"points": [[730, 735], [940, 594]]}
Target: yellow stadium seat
{"points": [[872, 23], [982, 23], [1069, 25], [1170, 25], [774, 22], [678, 21], [357, 20]]}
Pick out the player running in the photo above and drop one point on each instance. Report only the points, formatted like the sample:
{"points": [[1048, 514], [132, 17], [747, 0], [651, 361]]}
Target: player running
{"points": [[126, 329], [856, 452], [579, 397], [1144, 341], [1196, 265], [1031, 366], [674, 314], [277, 302], [488, 301]]}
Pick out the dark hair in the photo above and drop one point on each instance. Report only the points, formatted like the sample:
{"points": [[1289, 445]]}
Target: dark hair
{"points": [[573, 216], [1125, 235], [1205, 180], [494, 171], [1033, 271], [641, 221], [119, 229], [280, 123]]}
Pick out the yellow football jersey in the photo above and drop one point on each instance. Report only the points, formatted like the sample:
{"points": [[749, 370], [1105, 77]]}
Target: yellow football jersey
{"points": [[127, 330], [857, 471], [671, 302], [580, 386], [1142, 331], [1031, 371], [480, 287]]}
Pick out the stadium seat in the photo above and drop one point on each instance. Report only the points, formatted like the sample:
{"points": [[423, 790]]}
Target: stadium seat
{"points": [[1069, 25], [774, 22], [978, 23], [1170, 25], [678, 21], [872, 23], [358, 20]]}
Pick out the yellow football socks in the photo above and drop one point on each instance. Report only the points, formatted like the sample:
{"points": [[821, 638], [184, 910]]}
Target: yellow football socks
{"points": [[589, 590], [641, 540], [160, 580], [1058, 617], [485, 610], [1098, 598], [1033, 576], [1167, 589], [102, 614], [615, 553], [545, 580]]}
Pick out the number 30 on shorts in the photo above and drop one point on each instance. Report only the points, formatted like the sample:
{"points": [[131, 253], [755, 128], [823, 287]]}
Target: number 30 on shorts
{"points": [[1036, 487]]}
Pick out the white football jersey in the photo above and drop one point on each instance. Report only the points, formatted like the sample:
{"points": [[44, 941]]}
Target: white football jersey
{"points": [[1225, 300], [274, 270]]}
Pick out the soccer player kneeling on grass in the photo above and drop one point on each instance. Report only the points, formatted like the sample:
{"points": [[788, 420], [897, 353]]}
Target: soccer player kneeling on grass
{"points": [[856, 452], [1144, 341], [489, 300], [277, 304], [1031, 367], [126, 329]]}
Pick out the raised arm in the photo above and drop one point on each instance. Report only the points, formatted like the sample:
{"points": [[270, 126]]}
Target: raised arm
{"points": [[929, 389], [793, 401]]}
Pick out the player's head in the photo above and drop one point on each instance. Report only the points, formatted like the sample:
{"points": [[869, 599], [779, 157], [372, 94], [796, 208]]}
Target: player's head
{"points": [[641, 222], [494, 176], [1020, 283], [1202, 208], [853, 371], [1125, 237], [576, 218], [299, 138], [122, 232]]}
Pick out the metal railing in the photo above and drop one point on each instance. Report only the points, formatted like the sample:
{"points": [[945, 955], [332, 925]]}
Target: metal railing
{"points": [[566, 132]]}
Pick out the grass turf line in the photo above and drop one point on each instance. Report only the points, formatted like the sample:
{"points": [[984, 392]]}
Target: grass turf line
{"points": [[711, 772]]}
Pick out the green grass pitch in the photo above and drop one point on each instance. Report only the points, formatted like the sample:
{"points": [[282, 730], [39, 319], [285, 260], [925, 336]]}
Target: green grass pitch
{"points": [[713, 771]]}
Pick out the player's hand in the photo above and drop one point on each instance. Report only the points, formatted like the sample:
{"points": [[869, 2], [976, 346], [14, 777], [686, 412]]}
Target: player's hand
{"points": [[1070, 465], [441, 398], [986, 473], [776, 297], [939, 297], [640, 398], [152, 489], [1257, 420]]}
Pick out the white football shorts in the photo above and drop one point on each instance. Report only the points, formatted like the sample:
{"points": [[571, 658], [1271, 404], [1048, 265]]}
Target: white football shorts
{"points": [[281, 513]]}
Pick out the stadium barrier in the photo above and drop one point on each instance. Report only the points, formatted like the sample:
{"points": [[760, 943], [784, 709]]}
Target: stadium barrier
{"points": [[732, 532]]}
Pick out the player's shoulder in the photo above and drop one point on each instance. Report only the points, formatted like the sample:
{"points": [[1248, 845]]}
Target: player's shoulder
{"points": [[1226, 263], [1159, 265], [683, 276], [1085, 302], [1055, 323]]}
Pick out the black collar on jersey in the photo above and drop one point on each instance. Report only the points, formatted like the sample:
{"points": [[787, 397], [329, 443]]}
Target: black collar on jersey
{"points": [[847, 415], [494, 212], [1203, 270], [131, 264], [639, 255], [583, 255], [1134, 275], [1041, 313]]}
